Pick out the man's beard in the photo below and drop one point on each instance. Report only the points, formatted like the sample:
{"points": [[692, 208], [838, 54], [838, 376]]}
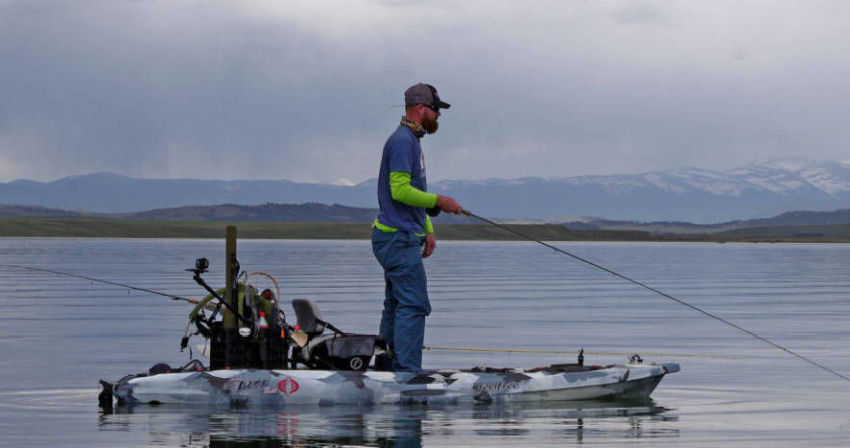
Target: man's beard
{"points": [[430, 125]]}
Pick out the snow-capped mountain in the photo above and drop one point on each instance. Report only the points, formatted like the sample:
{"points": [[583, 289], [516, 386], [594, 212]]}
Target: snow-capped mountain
{"points": [[689, 194]]}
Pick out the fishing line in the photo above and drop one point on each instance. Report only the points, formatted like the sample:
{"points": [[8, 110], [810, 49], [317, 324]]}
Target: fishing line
{"points": [[136, 288], [663, 294], [557, 352]]}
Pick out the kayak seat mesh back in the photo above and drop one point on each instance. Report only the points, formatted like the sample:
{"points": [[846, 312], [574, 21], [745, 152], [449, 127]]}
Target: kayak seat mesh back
{"points": [[307, 313]]}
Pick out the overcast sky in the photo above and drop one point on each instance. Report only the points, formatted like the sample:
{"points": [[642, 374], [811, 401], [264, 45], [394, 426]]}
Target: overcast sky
{"points": [[309, 91]]}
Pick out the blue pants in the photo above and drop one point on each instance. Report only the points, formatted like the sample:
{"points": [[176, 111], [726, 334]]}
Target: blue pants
{"points": [[405, 298]]}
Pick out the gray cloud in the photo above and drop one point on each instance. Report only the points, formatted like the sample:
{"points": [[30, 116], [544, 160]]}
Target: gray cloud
{"points": [[304, 90]]}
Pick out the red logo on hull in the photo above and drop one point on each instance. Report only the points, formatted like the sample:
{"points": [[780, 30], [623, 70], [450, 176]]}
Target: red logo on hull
{"points": [[288, 386]]}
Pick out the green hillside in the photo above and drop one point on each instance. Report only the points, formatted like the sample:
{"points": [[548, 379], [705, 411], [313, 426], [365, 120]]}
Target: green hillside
{"points": [[87, 227], [125, 228]]}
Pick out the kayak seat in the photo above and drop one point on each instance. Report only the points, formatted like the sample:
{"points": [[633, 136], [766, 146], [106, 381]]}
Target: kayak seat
{"points": [[334, 351], [309, 317], [306, 354], [310, 322]]}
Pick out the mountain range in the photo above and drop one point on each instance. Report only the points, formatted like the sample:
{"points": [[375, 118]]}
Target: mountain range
{"points": [[695, 195], [786, 224]]}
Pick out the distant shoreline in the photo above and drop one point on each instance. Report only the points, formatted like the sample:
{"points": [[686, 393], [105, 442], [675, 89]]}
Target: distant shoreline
{"points": [[123, 228]]}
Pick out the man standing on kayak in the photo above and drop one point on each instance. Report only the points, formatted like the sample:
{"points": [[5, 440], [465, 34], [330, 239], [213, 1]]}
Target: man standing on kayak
{"points": [[402, 234]]}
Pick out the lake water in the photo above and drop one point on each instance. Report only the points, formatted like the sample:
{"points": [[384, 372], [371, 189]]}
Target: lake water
{"points": [[59, 335]]}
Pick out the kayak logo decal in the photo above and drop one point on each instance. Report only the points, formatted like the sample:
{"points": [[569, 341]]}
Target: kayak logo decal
{"points": [[251, 385], [288, 386], [495, 388]]}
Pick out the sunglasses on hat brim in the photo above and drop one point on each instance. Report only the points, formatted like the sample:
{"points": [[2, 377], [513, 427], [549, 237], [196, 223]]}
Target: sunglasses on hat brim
{"points": [[437, 104]]}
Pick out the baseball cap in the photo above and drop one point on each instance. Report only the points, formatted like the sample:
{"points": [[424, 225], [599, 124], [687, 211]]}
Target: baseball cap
{"points": [[424, 94]]}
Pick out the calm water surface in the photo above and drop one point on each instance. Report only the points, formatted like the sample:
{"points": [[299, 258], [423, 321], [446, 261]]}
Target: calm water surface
{"points": [[59, 335]]}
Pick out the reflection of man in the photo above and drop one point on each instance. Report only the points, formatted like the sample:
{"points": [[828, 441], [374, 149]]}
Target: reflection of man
{"points": [[403, 226]]}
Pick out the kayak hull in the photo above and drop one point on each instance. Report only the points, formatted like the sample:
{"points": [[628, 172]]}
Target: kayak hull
{"points": [[246, 387]]}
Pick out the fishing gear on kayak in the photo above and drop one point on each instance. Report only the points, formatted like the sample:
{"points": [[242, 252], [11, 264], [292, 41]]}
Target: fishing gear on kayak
{"points": [[263, 338], [661, 293]]}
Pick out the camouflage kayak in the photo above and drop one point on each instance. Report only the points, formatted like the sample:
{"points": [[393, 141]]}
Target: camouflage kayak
{"points": [[256, 357], [238, 387]]}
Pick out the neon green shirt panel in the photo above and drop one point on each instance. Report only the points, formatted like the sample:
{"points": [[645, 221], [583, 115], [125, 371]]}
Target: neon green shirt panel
{"points": [[429, 228], [403, 192]]}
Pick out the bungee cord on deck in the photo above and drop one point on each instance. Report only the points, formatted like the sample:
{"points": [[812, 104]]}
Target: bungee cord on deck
{"points": [[663, 294]]}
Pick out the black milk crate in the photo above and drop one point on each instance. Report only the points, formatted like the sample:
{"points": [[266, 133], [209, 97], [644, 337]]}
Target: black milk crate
{"points": [[228, 349]]}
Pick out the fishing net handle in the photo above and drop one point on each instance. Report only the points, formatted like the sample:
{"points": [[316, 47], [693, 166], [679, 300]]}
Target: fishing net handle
{"points": [[277, 296]]}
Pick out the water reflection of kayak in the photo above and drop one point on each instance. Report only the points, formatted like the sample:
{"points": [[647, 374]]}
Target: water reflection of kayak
{"points": [[538, 424]]}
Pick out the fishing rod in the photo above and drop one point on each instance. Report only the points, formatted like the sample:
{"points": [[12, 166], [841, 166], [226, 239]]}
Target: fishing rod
{"points": [[107, 282], [197, 279], [661, 293]]}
